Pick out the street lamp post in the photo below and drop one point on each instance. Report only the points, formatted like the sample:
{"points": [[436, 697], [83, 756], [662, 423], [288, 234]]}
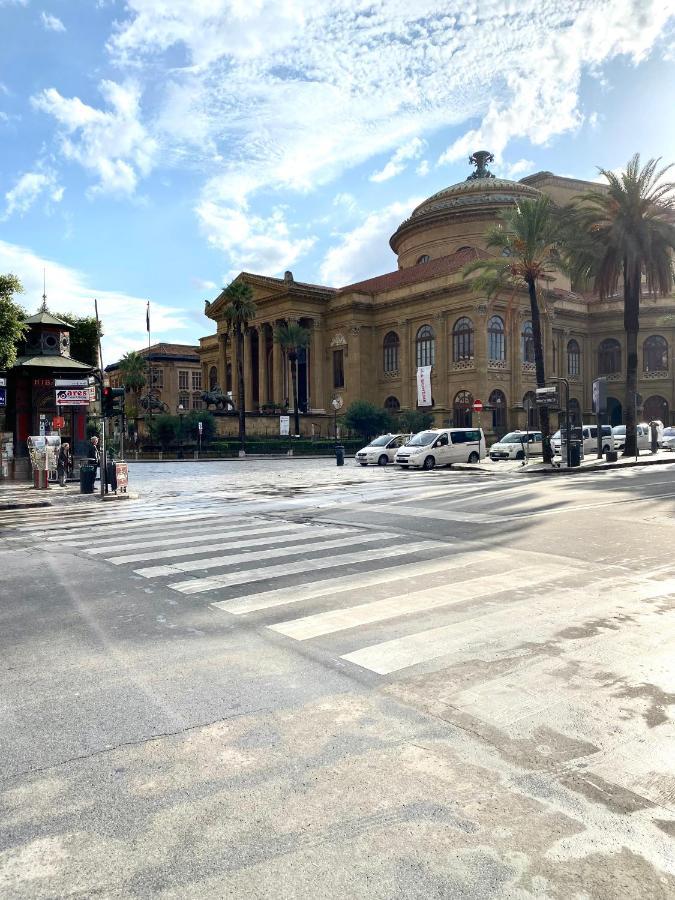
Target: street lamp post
{"points": [[181, 409]]}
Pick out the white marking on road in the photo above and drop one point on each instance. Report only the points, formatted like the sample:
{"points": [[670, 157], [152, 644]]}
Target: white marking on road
{"points": [[284, 535], [402, 571], [418, 601], [199, 585], [216, 562]]}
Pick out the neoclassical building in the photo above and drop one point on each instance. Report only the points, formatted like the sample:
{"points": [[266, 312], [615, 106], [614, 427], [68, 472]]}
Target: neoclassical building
{"points": [[367, 339]]}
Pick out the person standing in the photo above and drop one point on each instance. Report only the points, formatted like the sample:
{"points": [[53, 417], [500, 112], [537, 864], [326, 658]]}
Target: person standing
{"points": [[94, 454], [64, 463]]}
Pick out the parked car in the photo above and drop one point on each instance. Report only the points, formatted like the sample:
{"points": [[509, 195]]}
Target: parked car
{"points": [[590, 433], [382, 450], [442, 447], [516, 445], [643, 437], [668, 438]]}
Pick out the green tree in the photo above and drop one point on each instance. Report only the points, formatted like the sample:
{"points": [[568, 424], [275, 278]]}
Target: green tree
{"points": [[12, 327], [84, 337], [415, 420], [191, 426], [292, 338], [528, 240], [164, 429], [367, 419], [239, 311], [133, 367], [616, 238]]}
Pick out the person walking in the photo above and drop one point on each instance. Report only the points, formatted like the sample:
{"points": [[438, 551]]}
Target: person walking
{"points": [[94, 454], [64, 463]]}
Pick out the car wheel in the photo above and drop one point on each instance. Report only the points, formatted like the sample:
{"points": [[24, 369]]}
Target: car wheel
{"points": [[429, 463], [474, 457], [520, 455], [383, 460], [363, 464]]}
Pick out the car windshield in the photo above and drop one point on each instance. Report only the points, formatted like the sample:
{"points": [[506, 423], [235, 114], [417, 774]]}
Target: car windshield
{"points": [[380, 441], [512, 438], [619, 429], [669, 432], [556, 436], [422, 439]]}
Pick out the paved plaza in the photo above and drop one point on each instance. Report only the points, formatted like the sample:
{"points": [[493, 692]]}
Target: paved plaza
{"points": [[281, 678]]}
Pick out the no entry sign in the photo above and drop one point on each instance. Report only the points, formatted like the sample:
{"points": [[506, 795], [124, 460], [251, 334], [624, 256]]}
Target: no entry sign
{"points": [[477, 406]]}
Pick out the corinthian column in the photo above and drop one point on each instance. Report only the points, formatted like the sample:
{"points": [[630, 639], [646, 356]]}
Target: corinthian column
{"points": [[316, 366]]}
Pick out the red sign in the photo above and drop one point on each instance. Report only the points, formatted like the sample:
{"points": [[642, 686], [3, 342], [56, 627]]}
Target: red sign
{"points": [[478, 406], [58, 422]]}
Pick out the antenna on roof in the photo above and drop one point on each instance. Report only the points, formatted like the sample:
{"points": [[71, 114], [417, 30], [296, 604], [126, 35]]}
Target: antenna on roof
{"points": [[44, 291]]}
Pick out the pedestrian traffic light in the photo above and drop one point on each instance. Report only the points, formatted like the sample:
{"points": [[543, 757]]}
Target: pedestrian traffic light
{"points": [[109, 406]]}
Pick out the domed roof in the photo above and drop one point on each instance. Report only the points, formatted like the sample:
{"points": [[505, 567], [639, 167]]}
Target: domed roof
{"points": [[480, 187]]}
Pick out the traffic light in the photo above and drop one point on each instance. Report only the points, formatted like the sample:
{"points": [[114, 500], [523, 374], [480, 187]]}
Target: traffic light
{"points": [[109, 407]]}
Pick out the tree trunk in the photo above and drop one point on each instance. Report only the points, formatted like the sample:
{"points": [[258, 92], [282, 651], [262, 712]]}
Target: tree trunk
{"points": [[294, 378], [631, 324], [544, 421], [240, 379]]}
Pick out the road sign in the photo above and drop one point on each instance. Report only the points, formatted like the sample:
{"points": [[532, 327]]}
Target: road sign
{"points": [[600, 396], [3, 381], [200, 426], [478, 406], [548, 396], [284, 424], [71, 382], [3, 396]]}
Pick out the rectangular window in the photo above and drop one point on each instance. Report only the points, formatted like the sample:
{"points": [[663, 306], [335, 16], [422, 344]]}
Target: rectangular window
{"points": [[157, 378], [338, 369], [196, 381], [183, 380]]}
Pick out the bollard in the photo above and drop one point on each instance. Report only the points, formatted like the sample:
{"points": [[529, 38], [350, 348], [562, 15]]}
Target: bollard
{"points": [[339, 455]]}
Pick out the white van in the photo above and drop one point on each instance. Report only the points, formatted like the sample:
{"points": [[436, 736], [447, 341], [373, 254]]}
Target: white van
{"points": [[517, 445], [644, 441], [382, 450], [442, 447], [590, 433]]}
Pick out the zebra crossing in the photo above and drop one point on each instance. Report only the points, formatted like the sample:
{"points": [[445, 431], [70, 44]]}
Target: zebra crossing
{"points": [[371, 597]]}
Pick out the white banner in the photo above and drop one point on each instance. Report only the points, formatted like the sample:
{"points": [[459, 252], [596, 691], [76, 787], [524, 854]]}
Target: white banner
{"points": [[424, 386], [72, 397], [71, 382], [284, 424]]}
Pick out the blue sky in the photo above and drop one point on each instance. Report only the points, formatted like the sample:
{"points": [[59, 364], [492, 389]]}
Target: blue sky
{"points": [[152, 149]]}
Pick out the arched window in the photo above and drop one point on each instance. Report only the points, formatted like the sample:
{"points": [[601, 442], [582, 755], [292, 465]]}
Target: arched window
{"points": [[527, 343], [575, 412], [496, 339], [655, 408], [573, 358], [213, 377], [390, 347], [497, 403], [424, 258], [392, 404], [532, 410], [609, 357], [462, 339], [462, 409], [425, 346], [655, 354]]}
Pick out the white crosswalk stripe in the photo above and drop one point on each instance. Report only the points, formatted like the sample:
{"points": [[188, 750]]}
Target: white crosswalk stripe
{"points": [[215, 562]]}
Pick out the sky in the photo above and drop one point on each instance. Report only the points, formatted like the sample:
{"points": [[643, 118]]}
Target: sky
{"points": [[153, 149]]}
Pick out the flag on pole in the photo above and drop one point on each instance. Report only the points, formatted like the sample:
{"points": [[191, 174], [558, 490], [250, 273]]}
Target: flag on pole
{"points": [[147, 317]]}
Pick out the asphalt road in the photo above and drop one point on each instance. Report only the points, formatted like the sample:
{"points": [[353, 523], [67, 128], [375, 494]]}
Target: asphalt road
{"points": [[286, 679]]}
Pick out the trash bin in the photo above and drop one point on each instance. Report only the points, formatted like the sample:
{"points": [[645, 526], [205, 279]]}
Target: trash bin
{"points": [[612, 456], [87, 478], [575, 454], [111, 475], [339, 454]]}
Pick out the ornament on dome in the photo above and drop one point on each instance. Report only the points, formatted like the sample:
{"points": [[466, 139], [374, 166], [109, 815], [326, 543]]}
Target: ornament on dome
{"points": [[480, 159]]}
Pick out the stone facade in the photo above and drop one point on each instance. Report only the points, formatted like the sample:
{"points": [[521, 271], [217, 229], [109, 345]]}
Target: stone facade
{"points": [[367, 339]]}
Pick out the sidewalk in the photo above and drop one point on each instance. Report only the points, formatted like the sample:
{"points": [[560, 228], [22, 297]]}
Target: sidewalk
{"points": [[22, 495], [589, 464]]}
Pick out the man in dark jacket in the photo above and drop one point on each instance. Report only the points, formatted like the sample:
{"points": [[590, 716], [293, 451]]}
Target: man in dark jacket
{"points": [[93, 454]]}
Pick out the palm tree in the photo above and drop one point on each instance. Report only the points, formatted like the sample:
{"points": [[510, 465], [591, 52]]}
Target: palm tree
{"points": [[618, 235], [527, 238], [292, 338], [238, 313], [132, 369]]}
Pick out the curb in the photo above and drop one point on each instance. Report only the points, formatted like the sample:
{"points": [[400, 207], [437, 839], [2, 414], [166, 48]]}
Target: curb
{"points": [[602, 467]]}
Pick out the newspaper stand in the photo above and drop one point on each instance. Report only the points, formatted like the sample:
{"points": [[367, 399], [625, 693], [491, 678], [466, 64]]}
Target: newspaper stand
{"points": [[43, 450]]}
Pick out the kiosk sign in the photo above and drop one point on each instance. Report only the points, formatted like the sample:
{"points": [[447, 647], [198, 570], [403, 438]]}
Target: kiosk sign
{"points": [[72, 397], [548, 396]]}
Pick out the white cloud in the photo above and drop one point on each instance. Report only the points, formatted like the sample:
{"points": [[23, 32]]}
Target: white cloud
{"points": [[204, 284], [364, 251], [251, 242], [513, 170], [398, 163], [300, 91], [423, 168], [28, 188], [51, 23], [113, 144], [69, 290]]}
